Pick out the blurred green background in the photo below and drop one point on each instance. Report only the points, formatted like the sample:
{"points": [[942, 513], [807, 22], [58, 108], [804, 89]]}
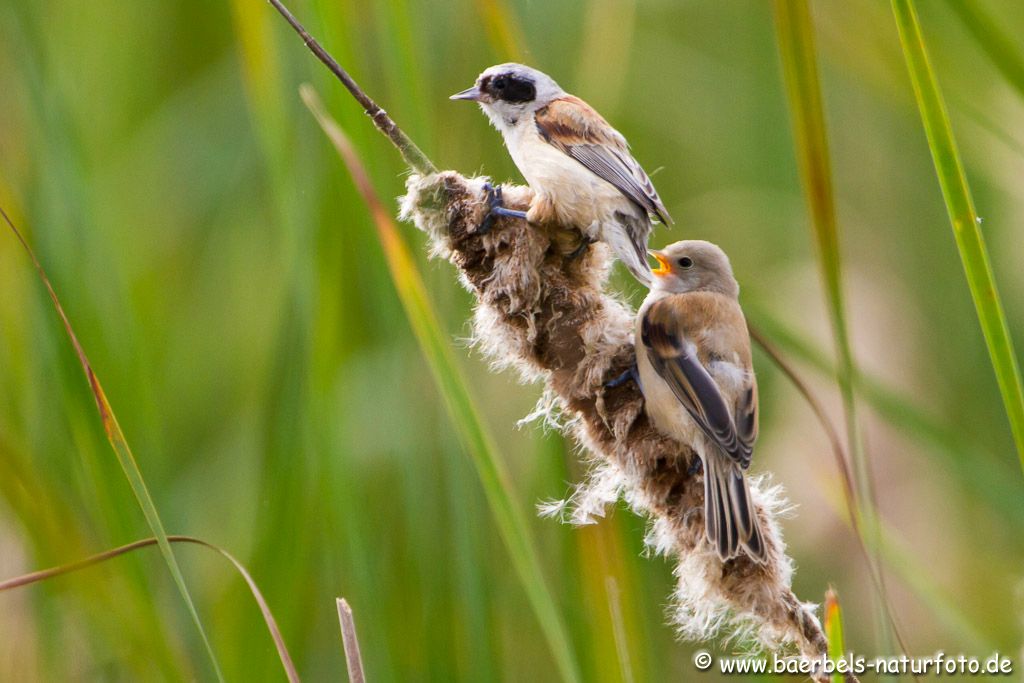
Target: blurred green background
{"points": [[226, 281]]}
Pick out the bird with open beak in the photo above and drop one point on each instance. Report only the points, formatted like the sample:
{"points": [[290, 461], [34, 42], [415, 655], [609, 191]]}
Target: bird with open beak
{"points": [[695, 371], [579, 168]]}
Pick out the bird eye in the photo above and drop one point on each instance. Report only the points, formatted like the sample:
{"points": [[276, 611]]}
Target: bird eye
{"points": [[686, 262], [511, 88]]}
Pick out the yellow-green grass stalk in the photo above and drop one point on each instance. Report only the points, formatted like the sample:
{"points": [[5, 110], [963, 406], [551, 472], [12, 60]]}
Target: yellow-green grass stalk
{"points": [[602, 602], [477, 440], [402, 60], [964, 218], [803, 90], [605, 50], [795, 33], [122, 450], [613, 653], [292, 419]]}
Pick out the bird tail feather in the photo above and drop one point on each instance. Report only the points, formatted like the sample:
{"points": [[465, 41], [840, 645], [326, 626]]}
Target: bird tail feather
{"points": [[730, 520], [629, 242], [637, 265]]}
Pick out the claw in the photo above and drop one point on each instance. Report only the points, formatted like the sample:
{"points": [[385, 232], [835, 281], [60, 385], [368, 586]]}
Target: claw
{"points": [[585, 242], [493, 200], [495, 208], [628, 375]]}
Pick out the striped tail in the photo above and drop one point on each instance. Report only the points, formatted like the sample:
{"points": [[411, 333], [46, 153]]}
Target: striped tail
{"points": [[729, 518]]}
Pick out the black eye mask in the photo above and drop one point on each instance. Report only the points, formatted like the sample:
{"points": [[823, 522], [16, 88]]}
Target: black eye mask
{"points": [[509, 88]]}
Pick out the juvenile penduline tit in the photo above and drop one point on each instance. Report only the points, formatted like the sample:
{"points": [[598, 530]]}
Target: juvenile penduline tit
{"points": [[694, 368], [579, 167]]}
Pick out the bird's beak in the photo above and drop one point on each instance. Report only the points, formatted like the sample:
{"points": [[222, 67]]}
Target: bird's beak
{"points": [[663, 266], [472, 94]]}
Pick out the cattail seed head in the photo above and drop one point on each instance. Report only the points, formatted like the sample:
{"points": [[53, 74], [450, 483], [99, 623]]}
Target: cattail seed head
{"points": [[548, 316]]}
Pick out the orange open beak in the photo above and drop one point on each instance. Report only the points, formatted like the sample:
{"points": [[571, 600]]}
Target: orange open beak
{"points": [[663, 267]]}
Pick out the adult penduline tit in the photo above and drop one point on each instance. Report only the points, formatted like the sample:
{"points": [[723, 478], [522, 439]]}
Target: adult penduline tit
{"points": [[694, 367], [579, 168]]}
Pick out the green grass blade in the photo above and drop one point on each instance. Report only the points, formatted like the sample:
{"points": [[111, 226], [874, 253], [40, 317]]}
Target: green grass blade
{"points": [[834, 631], [976, 470], [799, 64], [966, 226], [479, 443], [257, 594], [803, 90], [795, 33], [123, 452]]}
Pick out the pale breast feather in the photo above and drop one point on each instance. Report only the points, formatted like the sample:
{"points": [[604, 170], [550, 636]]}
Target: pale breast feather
{"points": [[574, 127]]}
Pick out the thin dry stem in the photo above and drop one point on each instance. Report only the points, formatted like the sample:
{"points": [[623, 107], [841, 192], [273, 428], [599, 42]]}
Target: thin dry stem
{"points": [[853, 509], [412, 154], [353, 659], [835, 442], [275, 633]]}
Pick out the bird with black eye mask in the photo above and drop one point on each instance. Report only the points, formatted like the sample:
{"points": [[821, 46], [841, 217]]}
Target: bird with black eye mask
{"points": [[580, 168]]}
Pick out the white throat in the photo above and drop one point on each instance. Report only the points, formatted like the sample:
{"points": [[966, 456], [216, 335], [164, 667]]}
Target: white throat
{"points": [[506, 118], [667, 285]]}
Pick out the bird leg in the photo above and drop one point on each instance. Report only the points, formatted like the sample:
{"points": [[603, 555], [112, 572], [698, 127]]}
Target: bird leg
{"points": [[495, 207], [585, 241], [630, 374], [695, 467]]}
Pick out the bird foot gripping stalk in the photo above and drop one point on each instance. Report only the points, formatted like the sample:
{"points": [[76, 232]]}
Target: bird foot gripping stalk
{"points": [[628, 375], [496, 208]]}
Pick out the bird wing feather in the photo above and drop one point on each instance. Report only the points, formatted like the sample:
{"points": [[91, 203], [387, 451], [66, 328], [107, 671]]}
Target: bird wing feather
{"points": [[674, 357], [574, 127], [745, 419]]}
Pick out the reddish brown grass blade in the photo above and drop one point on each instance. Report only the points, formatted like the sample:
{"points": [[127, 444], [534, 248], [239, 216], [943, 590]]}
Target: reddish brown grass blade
{"points": [[123, 452], [268, 616]]}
